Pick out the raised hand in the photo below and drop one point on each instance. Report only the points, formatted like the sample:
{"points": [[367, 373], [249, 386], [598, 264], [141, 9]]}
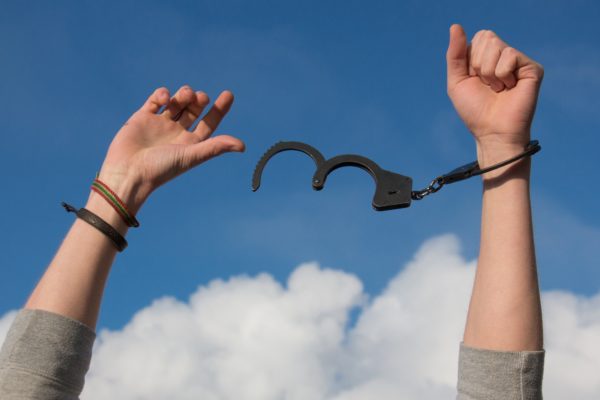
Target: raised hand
{"points": [[154, 147], [494, 89]]}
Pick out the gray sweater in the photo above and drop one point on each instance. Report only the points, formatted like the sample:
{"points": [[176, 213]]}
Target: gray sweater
{"points": [[45, 356]]}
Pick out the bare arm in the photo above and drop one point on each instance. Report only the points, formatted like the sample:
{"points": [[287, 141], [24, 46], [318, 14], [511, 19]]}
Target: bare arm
{"points": [[151, 148], [494, 89]]}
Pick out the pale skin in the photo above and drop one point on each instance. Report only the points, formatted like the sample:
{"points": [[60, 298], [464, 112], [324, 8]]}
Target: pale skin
{"points": [[149, 150], [493, 88]]}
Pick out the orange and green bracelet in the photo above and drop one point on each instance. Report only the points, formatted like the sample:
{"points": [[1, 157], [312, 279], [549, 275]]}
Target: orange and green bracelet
{"points": [[103, 190]]}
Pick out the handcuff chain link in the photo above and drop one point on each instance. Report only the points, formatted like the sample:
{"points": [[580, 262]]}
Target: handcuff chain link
{"points": [[471, 170], [433, 187]]}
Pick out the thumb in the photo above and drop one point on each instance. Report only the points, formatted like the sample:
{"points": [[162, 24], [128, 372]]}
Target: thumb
{"points": [[456, 57], [212, 147]]}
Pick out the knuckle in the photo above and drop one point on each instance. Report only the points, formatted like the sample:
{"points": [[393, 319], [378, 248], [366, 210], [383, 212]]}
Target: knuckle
{"points": [[497, 42], [477, 35], [185, 94], [540, 70], [482, 34], [510, 51], [214, 151], [502, 72], [488, 72], [489, 34]]}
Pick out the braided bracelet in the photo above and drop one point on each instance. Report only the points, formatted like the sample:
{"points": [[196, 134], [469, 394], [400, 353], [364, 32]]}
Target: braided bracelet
{"points": [[98, 223], [111, 197]]}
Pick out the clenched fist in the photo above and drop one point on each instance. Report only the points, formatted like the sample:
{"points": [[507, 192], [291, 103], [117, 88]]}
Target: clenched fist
{"points": [[494, 89]]}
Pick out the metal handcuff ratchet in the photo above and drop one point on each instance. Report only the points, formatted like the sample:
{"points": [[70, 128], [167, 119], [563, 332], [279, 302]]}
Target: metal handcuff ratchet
{"points": [[392, 190]]}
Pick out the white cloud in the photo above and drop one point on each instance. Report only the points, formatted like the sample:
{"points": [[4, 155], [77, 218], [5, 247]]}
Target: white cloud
{"points": [[245, 338], [405, 344], [254, 338], [572, 338]]}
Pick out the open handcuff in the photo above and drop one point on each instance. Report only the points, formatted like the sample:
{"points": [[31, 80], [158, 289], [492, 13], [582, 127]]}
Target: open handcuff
{"points": [[392, 190]]}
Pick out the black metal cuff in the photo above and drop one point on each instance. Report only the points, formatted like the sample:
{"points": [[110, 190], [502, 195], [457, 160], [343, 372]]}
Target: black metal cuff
{"points": [[98, 223]]}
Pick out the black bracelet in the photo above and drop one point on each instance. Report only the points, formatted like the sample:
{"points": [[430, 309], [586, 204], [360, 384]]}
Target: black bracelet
{"points": [[98, 223]]}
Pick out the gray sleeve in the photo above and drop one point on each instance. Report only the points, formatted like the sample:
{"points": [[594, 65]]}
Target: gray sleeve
{"points": [[44, 356], [499, 375]]}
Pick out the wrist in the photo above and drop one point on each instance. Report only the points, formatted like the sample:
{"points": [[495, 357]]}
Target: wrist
{"points": [[129, 190], [99, 206], [116, 198], [490, 152]]}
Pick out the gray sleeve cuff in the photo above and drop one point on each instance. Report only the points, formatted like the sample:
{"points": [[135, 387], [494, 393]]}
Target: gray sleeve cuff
{"points": [[490, 375], [45, 353]]}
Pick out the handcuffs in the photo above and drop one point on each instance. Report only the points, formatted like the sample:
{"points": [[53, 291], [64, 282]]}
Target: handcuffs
{"points": [[392, 190]]}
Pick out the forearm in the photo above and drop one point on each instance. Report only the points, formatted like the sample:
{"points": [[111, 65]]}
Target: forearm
{"points": [[505, 311], [47, 350], [158, 143], [74, 281]]}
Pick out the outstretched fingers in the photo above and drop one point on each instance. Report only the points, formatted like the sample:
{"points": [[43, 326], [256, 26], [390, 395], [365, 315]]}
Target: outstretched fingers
{"points": [[214, 116], [156, 101], [184, 96], [194, 109]]}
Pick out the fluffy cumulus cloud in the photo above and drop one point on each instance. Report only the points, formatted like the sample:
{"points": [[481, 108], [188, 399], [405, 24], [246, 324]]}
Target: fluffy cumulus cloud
{"points": [[572, 337], [320, 337], [246, 338]]}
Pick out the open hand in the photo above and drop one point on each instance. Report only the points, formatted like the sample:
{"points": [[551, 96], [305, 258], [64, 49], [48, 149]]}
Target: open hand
{"points": [[154, 147], [494, 89]]}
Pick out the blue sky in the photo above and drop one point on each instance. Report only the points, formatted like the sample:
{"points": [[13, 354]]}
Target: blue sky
{"points": [[345, 77]]}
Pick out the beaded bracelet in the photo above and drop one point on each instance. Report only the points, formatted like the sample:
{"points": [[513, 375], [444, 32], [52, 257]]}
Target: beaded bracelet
{"points": [[111, 197]]}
